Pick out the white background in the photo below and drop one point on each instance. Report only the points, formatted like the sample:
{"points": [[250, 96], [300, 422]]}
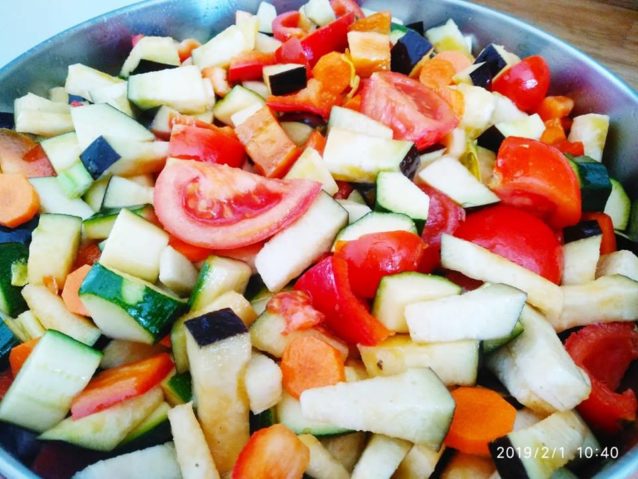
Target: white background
{"points": [[25, 23]]}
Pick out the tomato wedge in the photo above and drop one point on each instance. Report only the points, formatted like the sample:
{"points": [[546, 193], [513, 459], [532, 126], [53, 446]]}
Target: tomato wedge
{"points": [[296, 308], [539, 179], [210, 145], [413, 111], [518, 236], [347, 316], [343, 7], [272, 453], [605, 351], [376, 255], [219, 207], [525, 83], [20, 154], [118, 384]]}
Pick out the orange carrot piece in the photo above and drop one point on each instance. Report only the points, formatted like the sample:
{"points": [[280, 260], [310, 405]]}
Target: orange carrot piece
{"points": [[379, 22], [353, 103], [70, 294], [308, 362], [317, 141], [459, 60], [19, 202], [554, 132], [481, 415], [334, 71], [19, 355], [555, 107], [186, 47], [437, 73]]}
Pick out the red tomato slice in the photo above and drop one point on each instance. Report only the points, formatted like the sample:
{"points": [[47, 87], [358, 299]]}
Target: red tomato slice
{"points": [[6, 379], [193, 253], [537, 178], [343, 7], [273, 453], [444, 216], [375, 255], [286, 25], [210, 145], [412, 110], [118, 384], [218, 207], [605, 351], [347, 316], [20, 154], [525, 83], [518, 236], [296, 308]]}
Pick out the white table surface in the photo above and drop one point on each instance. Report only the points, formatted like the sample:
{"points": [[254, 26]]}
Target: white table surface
{"points": [[25, 23]]}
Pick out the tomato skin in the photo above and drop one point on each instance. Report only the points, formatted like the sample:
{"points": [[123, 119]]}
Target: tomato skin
{"points": [[343, 7], [274, 453], [20, 154], [575, 148], [328, 285], [292, 51], [286, 26], [413, 111], [218, 207], [375, 255], [444, 216], [194, 253], [518, 236], [210, 145], [118, 384], [608, 243], [538, 178], [296, 308], [605, 351], [525, 83]]}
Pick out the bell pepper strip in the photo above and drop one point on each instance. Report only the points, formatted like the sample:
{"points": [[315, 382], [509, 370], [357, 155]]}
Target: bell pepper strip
{"points": [[608, 243], [308, 362], [194, 253], [605, 351], [554, 132], [274, 452], [345, 7], [118, 384], [538, 178], [218, 77], [555, 107], [370, 52], [186, 47], [375, 255], [470, 436], [347, 316], [332, 37], [6, 379], [19, 355], [314, 98], [379, 22], [20, 154], [296, 308], [210, 145], [286, 26], [71, 288], [444, 216], [344, 190], [575, 148], [267, 143], [316, 141], [249, 66]]}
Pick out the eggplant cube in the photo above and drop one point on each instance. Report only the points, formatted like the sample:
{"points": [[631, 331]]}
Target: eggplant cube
{"points": [[492, 58], [285, 78], [98, 157], [147, 66], [216, 326], [408, 52]]}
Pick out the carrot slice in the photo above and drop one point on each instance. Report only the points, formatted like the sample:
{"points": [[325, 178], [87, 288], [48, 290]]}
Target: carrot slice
{"points": [[459, 60], [555, 107], [70, 294], [554, 132], [19, 202], [481, 415], [309, 362], [379, 22], [437, 73], [334, 71], [317, 141], [19, 355]]}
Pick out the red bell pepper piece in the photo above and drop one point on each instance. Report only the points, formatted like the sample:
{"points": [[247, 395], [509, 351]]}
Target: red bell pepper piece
{"points": [[608, 243], [605, 351], [210, 145], [444, 216], [6, 379], [286, 26], [267, 143], [328, 284], [345, 188], [574, 148], [312, 99], [292, 51], [329, 38], [316, 141], [118, 384], [555, 107], [249, 66], [274, 452]]}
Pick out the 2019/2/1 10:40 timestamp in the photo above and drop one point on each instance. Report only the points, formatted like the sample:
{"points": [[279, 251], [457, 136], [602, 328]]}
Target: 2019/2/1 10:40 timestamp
{"points": [[547, 452]]}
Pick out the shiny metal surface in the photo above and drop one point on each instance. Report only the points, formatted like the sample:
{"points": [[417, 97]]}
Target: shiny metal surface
{"points": [[104, 43]]}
